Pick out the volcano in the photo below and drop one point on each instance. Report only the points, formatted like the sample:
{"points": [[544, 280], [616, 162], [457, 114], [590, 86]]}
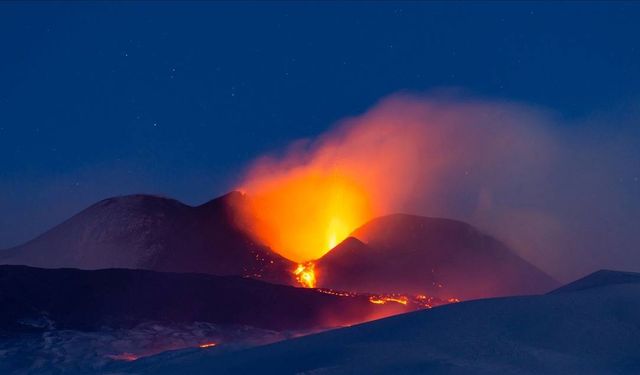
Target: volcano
{"points": [[399, 253], [433, 256], [154, 233]]}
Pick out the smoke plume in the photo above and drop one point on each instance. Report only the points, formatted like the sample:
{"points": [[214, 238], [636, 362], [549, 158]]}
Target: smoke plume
{"points": [[549, 189]]}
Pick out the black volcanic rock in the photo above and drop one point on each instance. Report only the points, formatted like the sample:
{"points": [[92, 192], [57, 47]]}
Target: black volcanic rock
{"points": [[148, 232], [421, 255], [36, 298]]}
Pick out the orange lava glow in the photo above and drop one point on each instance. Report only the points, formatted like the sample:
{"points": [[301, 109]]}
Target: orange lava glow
{"points": [[306, 275], [381, 300], [305, 213], [407, 154], [207, 345], [420, 301]]}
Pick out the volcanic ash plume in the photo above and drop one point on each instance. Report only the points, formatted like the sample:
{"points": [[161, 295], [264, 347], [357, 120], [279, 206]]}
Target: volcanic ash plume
{"points": [[512, 170], [406, 154]]}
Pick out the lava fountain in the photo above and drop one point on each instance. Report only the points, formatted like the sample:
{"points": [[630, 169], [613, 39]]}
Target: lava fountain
{"points": [[305, 213]]}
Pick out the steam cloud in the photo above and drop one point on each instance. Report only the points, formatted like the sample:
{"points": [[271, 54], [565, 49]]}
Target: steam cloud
{"points": [[563, 195]]}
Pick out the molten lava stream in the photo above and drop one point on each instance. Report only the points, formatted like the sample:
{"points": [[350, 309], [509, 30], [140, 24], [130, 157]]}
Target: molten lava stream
{"points": [[305, 275], [381, 300]]}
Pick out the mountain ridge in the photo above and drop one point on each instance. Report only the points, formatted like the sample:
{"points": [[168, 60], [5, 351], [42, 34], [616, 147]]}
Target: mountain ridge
{"points": [[156, 233], [425, 255], [398, 253]]}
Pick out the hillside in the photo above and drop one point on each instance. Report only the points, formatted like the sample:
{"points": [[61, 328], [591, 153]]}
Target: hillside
{"points": [[588, 331], [433, 256]]}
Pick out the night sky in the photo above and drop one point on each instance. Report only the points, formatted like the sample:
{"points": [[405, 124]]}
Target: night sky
{"points": [[109, 98]]}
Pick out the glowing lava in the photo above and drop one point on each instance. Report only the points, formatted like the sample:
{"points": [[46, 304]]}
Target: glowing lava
{"points": [[305, 275], [381, 300], [420, 301], [207, 345], [305, 213]]}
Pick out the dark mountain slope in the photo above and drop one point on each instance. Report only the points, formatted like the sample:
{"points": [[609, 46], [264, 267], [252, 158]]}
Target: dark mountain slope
{"points": [[442, 257], [147, 232], [118, 298]]}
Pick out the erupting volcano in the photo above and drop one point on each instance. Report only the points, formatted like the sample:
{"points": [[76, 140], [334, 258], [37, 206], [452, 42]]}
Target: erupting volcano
{"points": [[323, 219], [304, 214], [192, 187], [325, 204], [324, 214], [404, 155]]}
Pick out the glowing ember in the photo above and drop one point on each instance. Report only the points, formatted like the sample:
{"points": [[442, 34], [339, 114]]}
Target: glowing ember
{"points": [[207, 345], [337, 293], [306, 275]]}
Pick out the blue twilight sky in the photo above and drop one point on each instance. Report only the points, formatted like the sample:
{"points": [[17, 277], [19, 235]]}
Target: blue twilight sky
{"points": [[175, 98]]}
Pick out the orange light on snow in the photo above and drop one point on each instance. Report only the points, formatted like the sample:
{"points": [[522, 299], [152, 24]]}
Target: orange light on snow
{"points": [[127, 357]]}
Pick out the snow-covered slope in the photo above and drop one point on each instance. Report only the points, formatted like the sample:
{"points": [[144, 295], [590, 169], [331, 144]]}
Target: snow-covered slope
{"points": [[94, 352], [599, 279], [82, 321], [432, 256], [586, 330]]}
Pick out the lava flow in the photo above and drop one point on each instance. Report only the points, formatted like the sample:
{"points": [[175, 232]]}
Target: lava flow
{"points": [[305, 275], [381, 300], [419, 301]]}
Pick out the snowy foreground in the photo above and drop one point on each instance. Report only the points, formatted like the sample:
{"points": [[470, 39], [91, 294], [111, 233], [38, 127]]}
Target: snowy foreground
{"points": [[591, 326], [89, 352]]}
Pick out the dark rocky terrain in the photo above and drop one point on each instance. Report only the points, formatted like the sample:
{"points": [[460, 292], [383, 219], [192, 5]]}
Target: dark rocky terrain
{"points": [[45, 299]]}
